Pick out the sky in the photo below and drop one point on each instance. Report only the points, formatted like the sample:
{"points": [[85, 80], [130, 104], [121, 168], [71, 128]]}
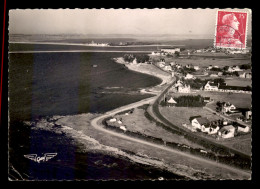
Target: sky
{"points": [[114, 21]]}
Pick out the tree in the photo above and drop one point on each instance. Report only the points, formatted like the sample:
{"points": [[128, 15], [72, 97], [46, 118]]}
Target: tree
{"points": [[177, 54]]}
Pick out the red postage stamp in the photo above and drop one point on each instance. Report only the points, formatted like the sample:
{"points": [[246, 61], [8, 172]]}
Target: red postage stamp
{"points": [[231, 29]]}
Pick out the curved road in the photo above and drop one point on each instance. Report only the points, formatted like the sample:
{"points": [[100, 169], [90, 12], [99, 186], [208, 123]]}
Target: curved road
{"points": [[97, 124]]}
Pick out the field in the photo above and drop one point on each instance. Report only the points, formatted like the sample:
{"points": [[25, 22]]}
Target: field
{"points": [[237, 81], [137, 122], [206, 61], [238, 99], [180, 115]]}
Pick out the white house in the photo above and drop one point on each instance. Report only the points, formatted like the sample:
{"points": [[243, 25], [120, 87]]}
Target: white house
{"points": [[171, 101], [161, 64], [167, 68], [213, 75], [135, 61], [112, 120], [123, 128], [183, 89], [171, 50], [196, 67], [227, 131], [243, 128], [189, 76], [234, 69], [210, 129], [210, 86], [200, 122], [228, 107]]}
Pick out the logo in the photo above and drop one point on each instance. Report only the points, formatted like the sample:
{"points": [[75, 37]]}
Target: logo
{"points": [[39, 159]]}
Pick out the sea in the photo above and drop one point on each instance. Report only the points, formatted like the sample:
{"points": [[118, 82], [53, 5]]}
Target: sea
{"points": [[69, 83]]}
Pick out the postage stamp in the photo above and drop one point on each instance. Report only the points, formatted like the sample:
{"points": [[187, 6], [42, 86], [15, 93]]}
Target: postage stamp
{"points": [[231, 29]]}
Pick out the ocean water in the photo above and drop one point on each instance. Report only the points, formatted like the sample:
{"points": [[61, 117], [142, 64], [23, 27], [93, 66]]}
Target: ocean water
{"points": [[42, 84], [45, 84]]}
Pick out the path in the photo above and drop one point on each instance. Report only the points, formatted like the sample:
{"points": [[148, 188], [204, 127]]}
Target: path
{"points": [[96, 123]]}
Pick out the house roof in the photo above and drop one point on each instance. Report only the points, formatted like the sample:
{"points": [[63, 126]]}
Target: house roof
{"points": [[203, 121], [193, 117], [226, 128], [171, 100], [213, 84]]}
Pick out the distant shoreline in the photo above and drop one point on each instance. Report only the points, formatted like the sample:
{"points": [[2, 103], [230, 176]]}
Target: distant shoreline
{"points": [[87, 45]]}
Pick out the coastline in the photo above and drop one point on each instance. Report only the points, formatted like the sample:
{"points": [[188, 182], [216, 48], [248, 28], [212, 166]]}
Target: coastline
{"points": [[148, 69]]}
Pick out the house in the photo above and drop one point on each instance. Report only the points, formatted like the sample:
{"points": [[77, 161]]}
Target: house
{"points": [[248, 114], [183, 89], [234, 69], [196, 67], [209, 67], [220, 73], [135, 61], [200, 122], [228, 107], [167, 68], [170, 101], [161, 64], [248, 75], [243, 128], [189, 76], [227, 131], [210, 129], [206, 99], [112, 120], [211, 86], [171, 50], [213, 75], [242, 75], [123, 128]]}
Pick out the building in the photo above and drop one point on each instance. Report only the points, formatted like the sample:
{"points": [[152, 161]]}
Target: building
{"points": [[167, 68], [220, 73], [210, 129], [135, 61], [243, 128], [213, 75], [248, 75], [206, 99], [196, 67], [211, 86], [171, 50], [189, 76], [248, 114], [170, 101], [228, 107], [227, 131], [183, 89], [199, 122], [234, 69]]}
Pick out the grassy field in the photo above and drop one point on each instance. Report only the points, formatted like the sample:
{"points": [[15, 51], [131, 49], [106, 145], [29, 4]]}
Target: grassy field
{"points": [[237, 81], [180, 115], [137, 122], [238, 99], [206, 61]]}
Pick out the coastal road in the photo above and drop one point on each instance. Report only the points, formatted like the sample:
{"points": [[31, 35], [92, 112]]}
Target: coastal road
{"points": [[97, 124]]}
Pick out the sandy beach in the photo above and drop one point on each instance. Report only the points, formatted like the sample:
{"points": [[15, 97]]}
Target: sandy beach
{"points": [[150, 70]]}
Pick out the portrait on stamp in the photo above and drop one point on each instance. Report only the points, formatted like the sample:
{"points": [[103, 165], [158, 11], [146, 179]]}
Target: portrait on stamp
{"points": [[231, 29]]}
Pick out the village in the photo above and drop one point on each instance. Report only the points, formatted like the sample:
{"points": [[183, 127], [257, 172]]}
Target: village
{"points": [[210, 99]]}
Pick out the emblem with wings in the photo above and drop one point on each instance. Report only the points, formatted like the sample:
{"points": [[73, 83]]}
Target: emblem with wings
{"points": [[38, 159]]}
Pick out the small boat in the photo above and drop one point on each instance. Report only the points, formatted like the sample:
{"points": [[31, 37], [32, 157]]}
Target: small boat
{"points": [[94, 66], [160, 178]]}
